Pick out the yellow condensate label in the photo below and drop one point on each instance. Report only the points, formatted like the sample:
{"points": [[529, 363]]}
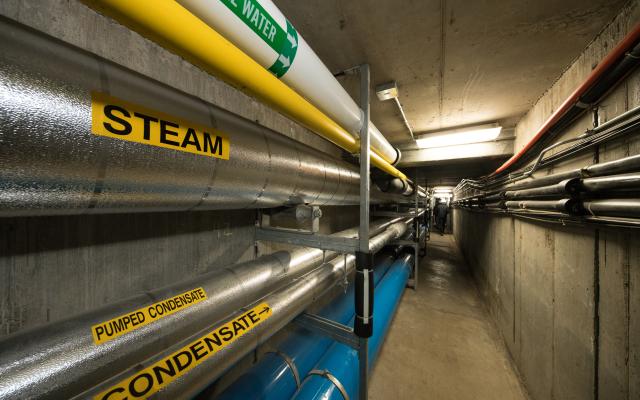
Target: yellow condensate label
{"points": [[109, 330], [150, 380], [122, 120]]}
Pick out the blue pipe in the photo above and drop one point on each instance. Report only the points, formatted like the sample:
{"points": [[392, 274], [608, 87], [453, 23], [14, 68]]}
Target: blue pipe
{"points": [[271, 378], [341, 360]]}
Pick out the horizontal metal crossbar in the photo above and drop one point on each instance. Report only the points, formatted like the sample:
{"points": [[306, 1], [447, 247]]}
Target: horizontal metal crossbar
{"points": [[332, 329]]}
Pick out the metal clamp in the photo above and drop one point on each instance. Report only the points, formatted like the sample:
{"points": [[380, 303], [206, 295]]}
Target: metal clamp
{"points": [[291, 364], [332, 379], [345, 280]]}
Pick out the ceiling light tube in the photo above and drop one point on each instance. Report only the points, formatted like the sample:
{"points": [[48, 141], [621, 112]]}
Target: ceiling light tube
{"points": [[476, 134]]}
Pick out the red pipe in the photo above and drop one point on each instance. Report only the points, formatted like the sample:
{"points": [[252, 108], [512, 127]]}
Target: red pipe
{"points": [[617, 52]]}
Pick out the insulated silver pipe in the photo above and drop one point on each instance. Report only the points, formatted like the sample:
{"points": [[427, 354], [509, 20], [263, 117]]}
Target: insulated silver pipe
{"points": [[52, 161], [612, 182], [285, 305], [613, 207], [566, 187], [570, 206], [62, 359]]}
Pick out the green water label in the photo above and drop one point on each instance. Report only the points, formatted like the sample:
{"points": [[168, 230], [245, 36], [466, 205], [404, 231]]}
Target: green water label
{"points": [[285, 43]]}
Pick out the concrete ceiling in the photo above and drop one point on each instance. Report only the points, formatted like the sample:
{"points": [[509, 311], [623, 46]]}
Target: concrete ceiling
{"points": [[456, 62]]}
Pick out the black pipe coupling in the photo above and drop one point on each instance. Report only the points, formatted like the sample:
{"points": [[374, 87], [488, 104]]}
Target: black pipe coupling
{"points": [[363, 326]]}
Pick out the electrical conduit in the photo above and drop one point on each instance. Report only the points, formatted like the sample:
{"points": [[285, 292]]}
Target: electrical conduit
{"points": [[574, 99]]}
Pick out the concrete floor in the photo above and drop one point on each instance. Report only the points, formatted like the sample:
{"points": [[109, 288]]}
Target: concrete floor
{"points": [[442, 343]]}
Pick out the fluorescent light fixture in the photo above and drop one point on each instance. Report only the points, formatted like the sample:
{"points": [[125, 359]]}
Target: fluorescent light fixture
{"points": [[476, 134], [387, 91]]}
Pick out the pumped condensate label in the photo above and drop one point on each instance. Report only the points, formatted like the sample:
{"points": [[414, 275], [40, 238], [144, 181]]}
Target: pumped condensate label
{"points": [[109, 330], [119, 119], [153, 378]]}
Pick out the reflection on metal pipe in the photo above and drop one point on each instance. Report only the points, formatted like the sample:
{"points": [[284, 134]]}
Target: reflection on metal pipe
{"points": [[613, 207], [285, 305], [570, 206], [62, 359], [615, 182], [54, 163], [566, 187], [341, 361]]}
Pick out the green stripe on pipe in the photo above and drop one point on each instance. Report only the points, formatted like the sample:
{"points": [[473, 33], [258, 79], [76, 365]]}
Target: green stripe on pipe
{"points": [[287, 54], [262, 23]]}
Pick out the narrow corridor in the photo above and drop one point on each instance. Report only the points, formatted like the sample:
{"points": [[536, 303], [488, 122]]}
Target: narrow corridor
{"points": [[442, 344]]}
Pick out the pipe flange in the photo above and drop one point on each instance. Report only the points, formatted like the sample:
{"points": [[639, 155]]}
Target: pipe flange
{"points": [[332, 379], [291, 364]]}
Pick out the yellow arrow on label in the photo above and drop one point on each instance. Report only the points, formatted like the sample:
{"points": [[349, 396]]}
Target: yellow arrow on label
{"points": [[148, 381]]}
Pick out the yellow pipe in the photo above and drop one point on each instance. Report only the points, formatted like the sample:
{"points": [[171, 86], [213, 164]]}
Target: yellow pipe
{"points": [[175, 28]]}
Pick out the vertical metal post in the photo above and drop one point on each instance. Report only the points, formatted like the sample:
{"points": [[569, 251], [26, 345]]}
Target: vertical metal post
{"points": [[363, 326], [416, 259]]}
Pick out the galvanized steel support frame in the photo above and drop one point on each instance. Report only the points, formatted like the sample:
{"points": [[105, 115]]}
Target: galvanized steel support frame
{"points": [[363, 235]]}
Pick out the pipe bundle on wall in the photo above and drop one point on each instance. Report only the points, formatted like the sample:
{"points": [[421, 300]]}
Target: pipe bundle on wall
{"points": [[62, 359], [303, 70], [54, 162]]}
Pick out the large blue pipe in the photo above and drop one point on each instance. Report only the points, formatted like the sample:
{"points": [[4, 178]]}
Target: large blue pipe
{"points": [[341, 360], [271, 378]]}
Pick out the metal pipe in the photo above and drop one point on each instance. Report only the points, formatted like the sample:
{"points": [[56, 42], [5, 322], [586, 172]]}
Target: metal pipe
{"points": [[62, 359], [613, 207], [566, 187], [284, 52], [274, 377], [192, 39], [404, 118], [615, 182], [285, 304], [341, 361], [570, 206], [52, 160], [626, 164]]}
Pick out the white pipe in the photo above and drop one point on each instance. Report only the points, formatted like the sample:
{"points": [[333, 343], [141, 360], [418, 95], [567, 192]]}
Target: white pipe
{"points": [[260, 29]]}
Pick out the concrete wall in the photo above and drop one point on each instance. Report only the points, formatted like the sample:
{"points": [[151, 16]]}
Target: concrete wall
{"points": [[54, 267], [566, 299]]}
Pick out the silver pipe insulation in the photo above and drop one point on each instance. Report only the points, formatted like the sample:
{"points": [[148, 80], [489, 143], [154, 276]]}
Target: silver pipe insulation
{"points": [[60, 360], [52, 163], [629, 208], [612, 182], [570, 206], [285, 305], [566, 187], [626, 164]]}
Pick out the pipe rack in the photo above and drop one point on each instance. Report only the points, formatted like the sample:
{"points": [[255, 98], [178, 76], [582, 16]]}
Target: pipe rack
{"points": [[61, 360]]}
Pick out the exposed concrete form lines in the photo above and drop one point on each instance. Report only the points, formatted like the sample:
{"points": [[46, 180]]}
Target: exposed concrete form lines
{"points": [[443, 47], [596, 313]]}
